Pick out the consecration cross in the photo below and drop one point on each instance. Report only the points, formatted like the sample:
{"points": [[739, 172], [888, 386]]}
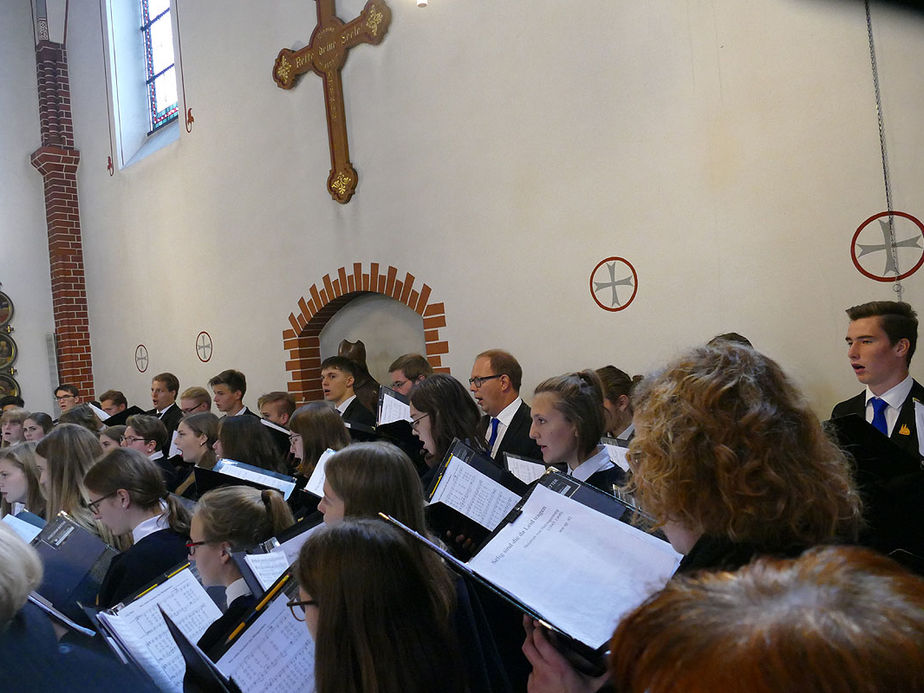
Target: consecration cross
{"points": [[325, 55]]}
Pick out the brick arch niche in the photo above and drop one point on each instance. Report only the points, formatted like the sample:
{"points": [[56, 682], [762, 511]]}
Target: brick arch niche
{"points": [[323, 299]]}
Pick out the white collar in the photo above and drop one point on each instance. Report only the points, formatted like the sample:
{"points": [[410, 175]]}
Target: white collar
{"points": [[149, 526], [241, 412], [236, 589], [342, 407], [599, 460], [897, 395], [507, 413], [160, 412], [156, 455]]}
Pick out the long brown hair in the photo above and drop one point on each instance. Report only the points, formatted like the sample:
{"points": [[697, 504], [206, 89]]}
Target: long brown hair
{"points": [[381, 628], [321, 427], [243, 516], [378, 477], [22, 455], [452, 411], [579, 398], [245, 439], [204, 423], [132, 471], [70, 450]]}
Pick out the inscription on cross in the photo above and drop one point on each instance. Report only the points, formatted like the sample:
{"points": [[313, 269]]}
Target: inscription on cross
{"points": [[325, 55]]}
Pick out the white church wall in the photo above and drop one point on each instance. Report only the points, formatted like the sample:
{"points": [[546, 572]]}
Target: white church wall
{"points": [[728, 150], [24, 269]]}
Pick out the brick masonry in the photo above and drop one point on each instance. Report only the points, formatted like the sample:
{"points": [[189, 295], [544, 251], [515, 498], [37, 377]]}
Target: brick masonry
{"points": [[323, 299], [56, 160]]}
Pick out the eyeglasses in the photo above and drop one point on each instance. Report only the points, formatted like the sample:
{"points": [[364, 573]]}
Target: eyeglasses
{"points": [[297, 607], [398, 384], [60, 397], [416, 422], [93, 506], [192, 410], [191, 546], [479, 381], [294, 436], [130, 439]]}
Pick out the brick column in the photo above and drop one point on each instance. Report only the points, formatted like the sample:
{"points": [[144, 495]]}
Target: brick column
{"points": [[57, 161]]}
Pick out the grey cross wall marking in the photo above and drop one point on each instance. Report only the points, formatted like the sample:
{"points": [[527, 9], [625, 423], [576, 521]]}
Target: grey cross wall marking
{"points": [[891, 259], [613, 283]]}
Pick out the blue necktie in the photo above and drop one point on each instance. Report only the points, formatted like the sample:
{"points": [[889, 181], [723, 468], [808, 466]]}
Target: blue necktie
{"points": [[879, 420], [494, 422]]}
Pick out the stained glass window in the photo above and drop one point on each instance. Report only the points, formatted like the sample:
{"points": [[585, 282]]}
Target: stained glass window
{"points": [[157, 31]]}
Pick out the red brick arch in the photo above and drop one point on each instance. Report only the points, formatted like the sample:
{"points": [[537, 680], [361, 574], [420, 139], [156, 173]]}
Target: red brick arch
{"points": [[322, 301]]}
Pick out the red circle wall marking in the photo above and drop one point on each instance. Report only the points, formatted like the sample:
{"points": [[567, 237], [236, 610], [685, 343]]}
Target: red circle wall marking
{"points": [[877, 277], [610, 281]]}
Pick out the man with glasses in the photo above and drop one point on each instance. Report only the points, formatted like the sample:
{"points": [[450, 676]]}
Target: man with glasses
{"points": [[495, 383], [195, 400], [67, 397], [408, 370]]}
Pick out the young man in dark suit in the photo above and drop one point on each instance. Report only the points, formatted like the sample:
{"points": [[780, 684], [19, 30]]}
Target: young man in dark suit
{"points": [[881, 340], [228, 390], [338, 374], [495, 384], [164, 390]]}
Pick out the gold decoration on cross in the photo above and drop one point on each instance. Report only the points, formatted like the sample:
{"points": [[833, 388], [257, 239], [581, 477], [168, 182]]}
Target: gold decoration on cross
{"points": [[373, 21], [340, 184], [324, 55]]}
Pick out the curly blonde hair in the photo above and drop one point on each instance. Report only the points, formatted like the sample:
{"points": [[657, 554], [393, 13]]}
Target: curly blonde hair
{"points": [[725, 444]]}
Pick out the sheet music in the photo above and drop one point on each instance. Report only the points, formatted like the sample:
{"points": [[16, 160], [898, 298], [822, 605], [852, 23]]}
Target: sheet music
{"points": [[241, 471], [174, 449], [291, 547], [315, 483], [602, 567], [276, 653], [267, 567], [27, 532], [393, 409], [617, 454], [143, 631], [473, 494], [524, 470]]}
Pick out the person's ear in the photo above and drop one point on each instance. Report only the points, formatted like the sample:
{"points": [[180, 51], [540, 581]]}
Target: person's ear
{"points": [[902, 346], [225, 554], [125, 499]]}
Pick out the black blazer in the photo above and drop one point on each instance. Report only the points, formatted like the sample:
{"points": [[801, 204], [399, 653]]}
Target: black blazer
{"points": [[214, 637], [170, 420], [907, 441], [141, 564], [516, 438], [606, 479], [357, 413]]}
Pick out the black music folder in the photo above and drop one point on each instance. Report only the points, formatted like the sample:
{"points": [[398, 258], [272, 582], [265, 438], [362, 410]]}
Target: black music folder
{"points": [[75, 562], [470, 494]]}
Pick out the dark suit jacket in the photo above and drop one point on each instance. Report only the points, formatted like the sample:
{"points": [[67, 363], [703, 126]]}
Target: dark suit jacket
{"points": [[909, 441], [170, 420], [216, 634], [892, 504], [141, 564], [516, 439], [357, 413]]}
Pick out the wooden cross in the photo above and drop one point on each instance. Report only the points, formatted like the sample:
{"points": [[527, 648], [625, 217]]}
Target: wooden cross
{"points": [[325, 55]]}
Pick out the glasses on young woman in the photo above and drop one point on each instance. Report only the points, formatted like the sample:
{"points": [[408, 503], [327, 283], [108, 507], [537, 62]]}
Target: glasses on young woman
{"points": [[298, 606]]}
